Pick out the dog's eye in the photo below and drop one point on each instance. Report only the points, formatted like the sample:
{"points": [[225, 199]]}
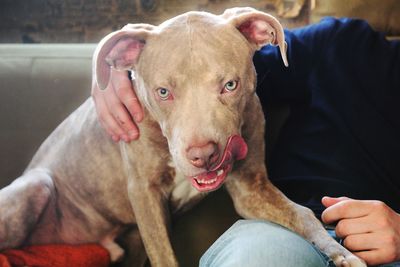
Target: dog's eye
{"points": [[231, 86], [164, 93]]}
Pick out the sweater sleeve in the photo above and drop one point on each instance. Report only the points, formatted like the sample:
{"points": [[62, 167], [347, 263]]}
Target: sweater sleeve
{"points": [[372, 63], [369, 57]]}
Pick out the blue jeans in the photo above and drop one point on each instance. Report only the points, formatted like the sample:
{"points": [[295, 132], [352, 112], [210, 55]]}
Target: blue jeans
{"points": [[256, 243]]}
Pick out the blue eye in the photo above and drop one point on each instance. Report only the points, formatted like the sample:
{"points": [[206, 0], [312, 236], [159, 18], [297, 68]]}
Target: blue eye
{"points": [[163, 93], [231, 85]]}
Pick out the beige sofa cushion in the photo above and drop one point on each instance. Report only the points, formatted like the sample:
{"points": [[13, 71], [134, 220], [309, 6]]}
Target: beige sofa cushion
{"points": [[39, 86]]}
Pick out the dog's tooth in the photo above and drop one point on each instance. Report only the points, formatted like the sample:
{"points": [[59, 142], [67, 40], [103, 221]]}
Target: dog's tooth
{"points": [[203, 181], [220, 172]]}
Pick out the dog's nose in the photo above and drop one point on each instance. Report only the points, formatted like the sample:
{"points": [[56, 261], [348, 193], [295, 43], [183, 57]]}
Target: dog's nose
{"points": [[203, 156]]}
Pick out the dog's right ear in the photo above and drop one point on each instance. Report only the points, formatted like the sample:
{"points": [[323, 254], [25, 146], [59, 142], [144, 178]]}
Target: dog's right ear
{"points": [[258, 28], [119, 50]]}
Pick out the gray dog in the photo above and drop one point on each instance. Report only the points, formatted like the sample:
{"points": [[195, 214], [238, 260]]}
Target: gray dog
{"points": [[195, 76]]}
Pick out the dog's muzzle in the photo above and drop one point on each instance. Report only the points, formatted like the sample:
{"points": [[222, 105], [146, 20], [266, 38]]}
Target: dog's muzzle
{"points": [[235, 149]]}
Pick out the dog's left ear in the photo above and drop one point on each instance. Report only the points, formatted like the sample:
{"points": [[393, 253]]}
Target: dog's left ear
{"points": [[259, 28]]}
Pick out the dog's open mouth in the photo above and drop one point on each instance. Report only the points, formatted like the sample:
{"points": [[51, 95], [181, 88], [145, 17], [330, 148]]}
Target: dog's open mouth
{"points": [[211, 180], [235, 149]]}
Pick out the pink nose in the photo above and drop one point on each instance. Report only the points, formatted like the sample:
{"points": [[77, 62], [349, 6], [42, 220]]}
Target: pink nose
{"points": [[203, 156]]}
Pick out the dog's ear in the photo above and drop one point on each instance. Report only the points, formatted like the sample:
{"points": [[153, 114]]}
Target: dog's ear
{"points": [[259, 28], [119, 50]]}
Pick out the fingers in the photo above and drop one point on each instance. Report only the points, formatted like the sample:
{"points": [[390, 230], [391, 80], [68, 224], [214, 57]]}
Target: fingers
{"points": [[371, 257], [360, 242], [347, 227], [329, 201], [374, 247], [120, 116], [107, 121], [377, 256], [346, 209], [114, 110], [370, 228], [127, 95]]}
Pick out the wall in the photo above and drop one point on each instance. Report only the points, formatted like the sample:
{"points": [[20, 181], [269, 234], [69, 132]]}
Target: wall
{"points": [[77, 21]]}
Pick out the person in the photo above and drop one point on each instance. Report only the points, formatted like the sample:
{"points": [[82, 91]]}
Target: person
{"points": [[341, 139]]}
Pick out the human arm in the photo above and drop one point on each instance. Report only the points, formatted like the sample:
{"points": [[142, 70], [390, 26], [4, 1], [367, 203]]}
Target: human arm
{"points": [[370, 63], [118, 108], [369, 228]]}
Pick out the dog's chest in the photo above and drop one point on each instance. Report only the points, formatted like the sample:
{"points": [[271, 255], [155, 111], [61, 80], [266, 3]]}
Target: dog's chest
{"points": [[183, 195]]}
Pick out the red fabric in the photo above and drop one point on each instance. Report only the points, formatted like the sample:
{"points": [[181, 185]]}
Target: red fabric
{"points": [[56, 256]]}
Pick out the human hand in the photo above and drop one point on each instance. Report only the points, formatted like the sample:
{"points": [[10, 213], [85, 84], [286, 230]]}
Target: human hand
{"points": [[117, 107], [369, 228]]}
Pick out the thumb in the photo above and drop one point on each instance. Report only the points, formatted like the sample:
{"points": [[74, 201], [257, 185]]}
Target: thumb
{"points": [[329, 201]]}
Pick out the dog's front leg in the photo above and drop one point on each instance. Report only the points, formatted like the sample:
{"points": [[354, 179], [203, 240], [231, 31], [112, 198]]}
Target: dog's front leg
{"points": [[151, 213], [150, 206], [255, 197]]}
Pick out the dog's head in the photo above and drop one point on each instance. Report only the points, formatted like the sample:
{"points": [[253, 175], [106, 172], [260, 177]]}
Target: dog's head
{"points": [[194, 73]]}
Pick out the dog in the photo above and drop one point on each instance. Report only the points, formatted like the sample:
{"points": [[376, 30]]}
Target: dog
{"points": [[195, 76]]}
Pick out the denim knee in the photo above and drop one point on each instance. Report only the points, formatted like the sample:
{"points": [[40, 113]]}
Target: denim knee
{"points": [[256, 243]]}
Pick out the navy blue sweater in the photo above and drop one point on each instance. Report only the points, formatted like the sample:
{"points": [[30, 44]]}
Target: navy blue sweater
{"points": [[342, 137]]}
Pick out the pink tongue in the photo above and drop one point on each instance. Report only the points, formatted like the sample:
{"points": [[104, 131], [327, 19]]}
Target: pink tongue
{"points": [[235, 149]]}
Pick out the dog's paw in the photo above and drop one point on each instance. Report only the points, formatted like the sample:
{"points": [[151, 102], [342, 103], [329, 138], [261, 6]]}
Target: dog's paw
{"points": [[115, 251], [348, 261], [116, 254]]}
